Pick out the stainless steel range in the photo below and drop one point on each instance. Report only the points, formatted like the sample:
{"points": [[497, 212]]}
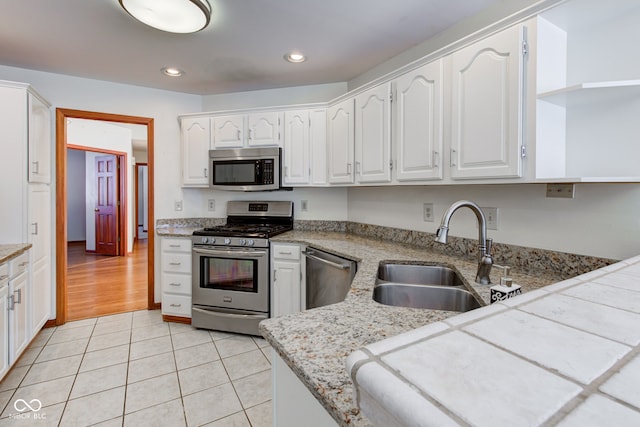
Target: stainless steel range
{"points": [[230, 289]]}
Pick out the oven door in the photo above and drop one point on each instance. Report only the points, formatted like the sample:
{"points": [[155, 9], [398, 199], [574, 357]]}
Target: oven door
{"points": [[231, 278]]}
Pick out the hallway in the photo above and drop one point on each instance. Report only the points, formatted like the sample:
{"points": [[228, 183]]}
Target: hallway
{"points": [[99, 285]]}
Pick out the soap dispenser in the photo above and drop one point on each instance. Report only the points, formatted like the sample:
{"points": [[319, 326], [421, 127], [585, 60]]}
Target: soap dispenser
{"points": [[506, 288]]}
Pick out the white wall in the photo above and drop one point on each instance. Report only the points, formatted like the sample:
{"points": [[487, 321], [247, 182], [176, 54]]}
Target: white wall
{"points": [[602, 220], [76, 200], [274, 97], [143, 187]]}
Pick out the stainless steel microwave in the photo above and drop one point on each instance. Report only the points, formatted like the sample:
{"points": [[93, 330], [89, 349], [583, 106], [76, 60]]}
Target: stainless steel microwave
{"points": [[245, 169]]}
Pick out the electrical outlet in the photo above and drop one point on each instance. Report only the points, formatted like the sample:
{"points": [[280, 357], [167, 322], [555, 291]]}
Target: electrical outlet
{"points": [[427, 210], [565, 191], [211, 205], [304, 205], [491, 215], [177, 205]]}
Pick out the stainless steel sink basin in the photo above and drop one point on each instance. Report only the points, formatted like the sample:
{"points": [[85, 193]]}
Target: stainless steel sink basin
{"points": [[419, 284], [418, 273], [424, 296]]}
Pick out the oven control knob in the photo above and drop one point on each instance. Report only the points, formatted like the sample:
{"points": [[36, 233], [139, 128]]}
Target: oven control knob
{"points": [[243, 242], [205, 240], [227, 240], [212, 240], [250, 242]]}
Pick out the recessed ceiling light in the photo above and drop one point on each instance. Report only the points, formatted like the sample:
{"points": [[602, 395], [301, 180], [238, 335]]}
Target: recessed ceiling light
{"points": [[172, 72], [295, 57], [174, 16]]}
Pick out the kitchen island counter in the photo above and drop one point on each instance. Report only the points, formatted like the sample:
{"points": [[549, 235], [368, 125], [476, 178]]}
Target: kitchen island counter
{"points": [[316, 343]]}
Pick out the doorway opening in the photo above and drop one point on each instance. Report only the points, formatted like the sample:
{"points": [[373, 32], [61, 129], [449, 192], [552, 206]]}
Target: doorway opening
{"points": [[121, 246]]}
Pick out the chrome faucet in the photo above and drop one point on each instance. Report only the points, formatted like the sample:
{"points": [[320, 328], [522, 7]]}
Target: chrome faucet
{"points": [[485, 260]]}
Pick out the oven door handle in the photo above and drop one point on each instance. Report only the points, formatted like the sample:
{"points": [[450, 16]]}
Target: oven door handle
{"points": [[243, 252]]}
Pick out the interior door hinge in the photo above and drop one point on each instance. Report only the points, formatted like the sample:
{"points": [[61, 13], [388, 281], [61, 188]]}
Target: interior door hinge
{"points": [[390, 164], [391, 96], [523, 151], [525, 48]]}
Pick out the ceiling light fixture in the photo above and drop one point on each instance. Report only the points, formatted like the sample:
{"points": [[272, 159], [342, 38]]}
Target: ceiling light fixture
{"points": [[295, 57], [174, 16], [172, 72]]}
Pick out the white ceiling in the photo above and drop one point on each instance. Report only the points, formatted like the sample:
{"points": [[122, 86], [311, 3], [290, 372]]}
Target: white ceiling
{"points": [[241, 50]]}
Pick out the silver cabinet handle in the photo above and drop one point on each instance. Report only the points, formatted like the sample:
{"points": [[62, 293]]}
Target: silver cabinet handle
{"points": [[453, 157], [175, 263], [19, 292], [174, 246], [174, 284], [238, 135], [250, 134], [436, 159], [284, 253], [23, 263], [206, 172], [11, 303], [175, 305], [35, 228], [348, 167], [36, 167], [358, 168]]}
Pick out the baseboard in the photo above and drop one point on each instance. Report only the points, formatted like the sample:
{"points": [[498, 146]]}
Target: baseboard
{"points": [[50, 323], [176, 319], [155, 306]]}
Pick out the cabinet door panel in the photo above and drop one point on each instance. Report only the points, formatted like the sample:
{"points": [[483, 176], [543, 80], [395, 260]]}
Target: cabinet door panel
{"points": [[296, 147], [418, 108], [318, 146], [264, 129], [487, 107], [341, 140], [39, 141], [4, 328], [228, 131], [373, 136], [196, 137], [286, 288], [18, 316]]}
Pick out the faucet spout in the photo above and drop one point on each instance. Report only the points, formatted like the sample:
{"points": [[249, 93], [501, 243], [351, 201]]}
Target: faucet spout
{"points": [[485, 260]]}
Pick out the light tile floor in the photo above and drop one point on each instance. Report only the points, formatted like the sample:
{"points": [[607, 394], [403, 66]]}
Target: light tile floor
{"points": [[133, 369]]}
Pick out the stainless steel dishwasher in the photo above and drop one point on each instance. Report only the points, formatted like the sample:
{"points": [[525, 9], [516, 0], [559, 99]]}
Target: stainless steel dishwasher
{"points": [[329, 277]]}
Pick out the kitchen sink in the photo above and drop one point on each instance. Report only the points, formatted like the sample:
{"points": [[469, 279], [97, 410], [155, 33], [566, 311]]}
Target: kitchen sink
{"points": [[418, 284], [424, 296], [419, 273]]}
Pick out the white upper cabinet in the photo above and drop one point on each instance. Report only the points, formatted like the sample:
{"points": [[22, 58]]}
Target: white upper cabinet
{"points": [[318, 146], [264, 129], [340, 140], [373, 135], [486, 107], [228, 131], [196, 137], [588, 87], [418, 114], [39, 140], [247, 130], [296, 147]]}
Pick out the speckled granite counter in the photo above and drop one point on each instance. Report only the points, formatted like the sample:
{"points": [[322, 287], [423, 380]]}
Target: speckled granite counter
{"points": [[12, 250], [316, 343]]}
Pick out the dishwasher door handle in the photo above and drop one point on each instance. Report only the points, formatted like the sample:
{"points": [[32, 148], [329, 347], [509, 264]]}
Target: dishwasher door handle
{"points": [[333, 264]]}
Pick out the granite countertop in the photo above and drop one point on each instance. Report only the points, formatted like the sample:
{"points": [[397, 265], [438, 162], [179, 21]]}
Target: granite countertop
{"points": [[8, 251], [315, 343], [566, 355]]}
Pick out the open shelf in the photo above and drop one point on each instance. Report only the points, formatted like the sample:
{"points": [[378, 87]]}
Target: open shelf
{"points": [[593, 93]]}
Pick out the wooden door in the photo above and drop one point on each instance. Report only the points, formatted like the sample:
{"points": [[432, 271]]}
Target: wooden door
{"points": [[106, 210]]}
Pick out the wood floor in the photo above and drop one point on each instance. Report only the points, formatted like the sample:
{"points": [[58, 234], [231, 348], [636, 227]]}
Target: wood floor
{"points": [[98, 285]]}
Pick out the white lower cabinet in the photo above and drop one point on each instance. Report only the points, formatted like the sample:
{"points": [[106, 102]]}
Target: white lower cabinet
{"points": [[292, 400], [175, 276], [4, 319], [287, 280], [19, 332]]}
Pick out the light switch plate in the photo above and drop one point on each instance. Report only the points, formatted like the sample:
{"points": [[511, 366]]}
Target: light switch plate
{"points": [[491, 215]]}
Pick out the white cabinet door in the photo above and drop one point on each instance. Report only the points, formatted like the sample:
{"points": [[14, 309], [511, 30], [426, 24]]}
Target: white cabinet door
{"points": [[196, 137], [40, 238], [228, 131], [418, 109], [296, 147], [373, 135], [486, 106], [318, 146], [286, 288], [263, 129], [39, 141], [19, 334], [340, 138], [4, 328]]}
